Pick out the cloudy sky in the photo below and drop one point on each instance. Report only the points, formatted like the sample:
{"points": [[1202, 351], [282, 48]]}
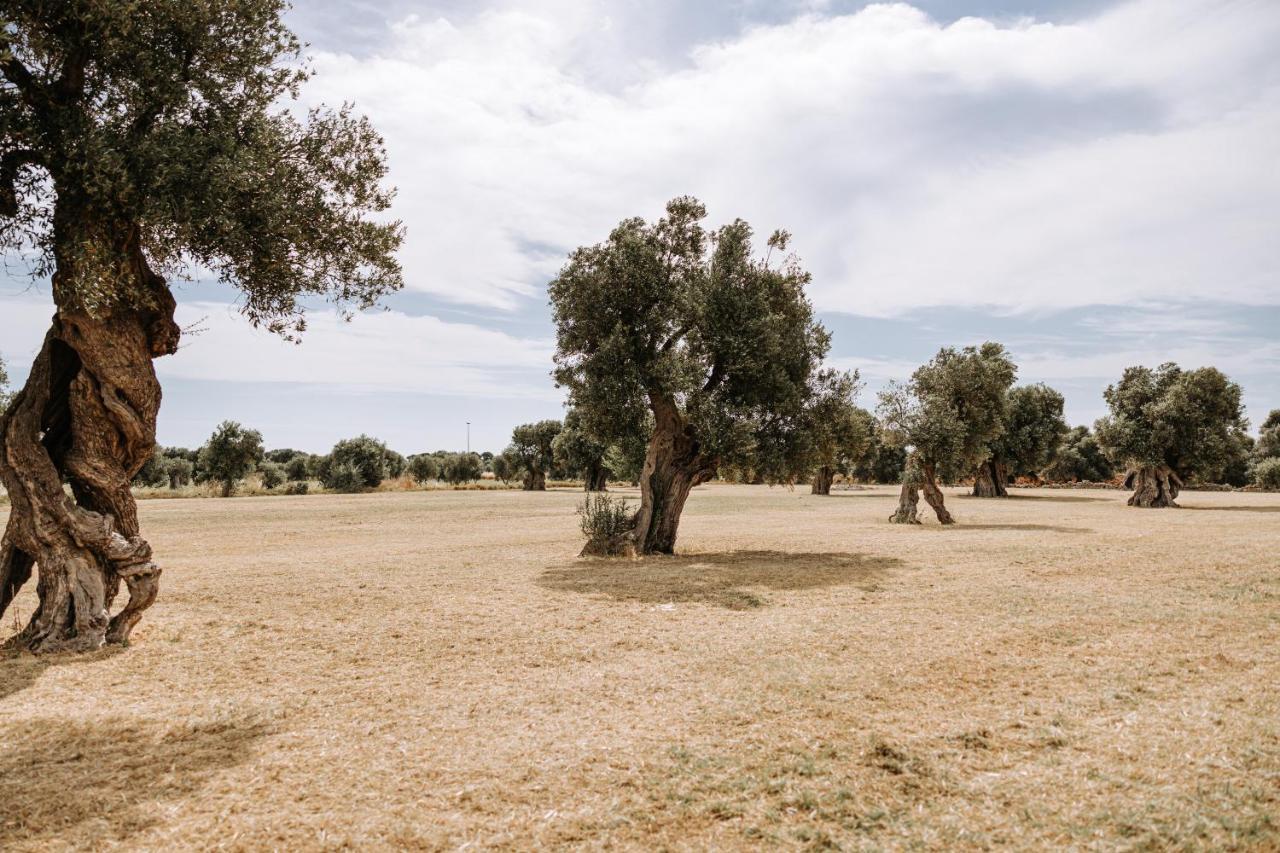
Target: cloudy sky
{"points": [[1093, 183]]}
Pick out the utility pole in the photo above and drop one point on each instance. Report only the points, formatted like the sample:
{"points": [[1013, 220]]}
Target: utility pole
{"points": [[468, 437]]}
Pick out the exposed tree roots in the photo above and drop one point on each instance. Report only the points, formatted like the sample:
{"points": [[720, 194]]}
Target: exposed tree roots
{"points": [[1153, 487], [991, 480]]}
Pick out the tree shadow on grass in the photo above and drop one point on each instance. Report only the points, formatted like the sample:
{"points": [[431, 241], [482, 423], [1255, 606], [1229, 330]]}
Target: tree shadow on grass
{"points": [[20, 670], [1275, 508], [724, 579], [1064, 499], [90, 784], [1042, 528]]}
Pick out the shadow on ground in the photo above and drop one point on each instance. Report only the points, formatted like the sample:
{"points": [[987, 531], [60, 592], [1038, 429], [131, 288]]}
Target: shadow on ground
{"points": [[1233, 508], [1065, 499], [20, 670], [724, 579], [98, 783], [1042, 528]]}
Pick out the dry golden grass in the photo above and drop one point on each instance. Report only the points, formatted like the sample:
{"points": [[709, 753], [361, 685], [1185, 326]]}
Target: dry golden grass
{"points": [[435, 670]]}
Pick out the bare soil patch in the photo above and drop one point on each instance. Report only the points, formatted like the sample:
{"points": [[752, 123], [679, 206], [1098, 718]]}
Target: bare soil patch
{"points": [[435, 670]]}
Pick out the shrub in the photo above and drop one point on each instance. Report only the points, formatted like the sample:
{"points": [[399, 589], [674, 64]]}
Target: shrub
{"points": [[424, 468], [605, 521], [297, 469], [1267, 473], [366, 455], [345, 477], [230, 454], [272, 474], [395, 464], [462, 468], [296, 489]]}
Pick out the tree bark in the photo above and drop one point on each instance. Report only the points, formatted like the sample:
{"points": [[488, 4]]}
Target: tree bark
{"points": [[673, 465], [822, 479], [86, 416], [595, 478], [908, 503], [933, 494], [535, 480], [992, 480], [1153, 486]]}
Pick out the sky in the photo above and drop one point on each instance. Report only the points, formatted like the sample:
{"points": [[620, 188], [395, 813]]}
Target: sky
{"points": [[1092, 183]]}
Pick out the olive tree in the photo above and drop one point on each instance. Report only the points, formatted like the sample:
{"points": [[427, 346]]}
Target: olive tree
{"points": [[1078, 459], [692, 327], [533, 452], [504, 466], [230, 455], [581, 454], [835, 434], [1268, 444], [946, 416], [1168, 425], [139, 140], [1033, 431], [365, 455], [459, 468], [424, 468]]}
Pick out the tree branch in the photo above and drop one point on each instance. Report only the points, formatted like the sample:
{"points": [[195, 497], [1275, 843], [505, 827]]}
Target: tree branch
{"points": [[10, 164]]}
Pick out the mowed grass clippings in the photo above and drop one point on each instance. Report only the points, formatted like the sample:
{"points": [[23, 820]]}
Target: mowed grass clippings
{"points": [[436, 670]]}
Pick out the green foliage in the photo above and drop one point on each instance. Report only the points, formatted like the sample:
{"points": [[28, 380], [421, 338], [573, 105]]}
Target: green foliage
{"points": [[5, 396], [952, 408], [424, 468], [1078, 459], [297, 469], [604, 518], [345, 477], [461, 468], [1033, 429], [154, 472], [297, 488], [283, 455], [504, 466], [834, 432], [1268, 444], [366, 455], [170, 122], [884, 460], [180, 471], [272, 474], [532, 447], [669, 315], [395, 464], [1266, 473], [575, 450], [1190, 421], [230, 454]]}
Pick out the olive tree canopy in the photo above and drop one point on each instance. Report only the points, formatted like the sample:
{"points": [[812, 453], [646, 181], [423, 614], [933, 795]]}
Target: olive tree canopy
{"points": [[1033, 431], [1168, 425], [581, 453], [140, 140], [693, 327], [532, 448]]}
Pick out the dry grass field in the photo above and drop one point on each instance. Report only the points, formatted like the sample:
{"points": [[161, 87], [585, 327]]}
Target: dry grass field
{"points": [[437, 670]]}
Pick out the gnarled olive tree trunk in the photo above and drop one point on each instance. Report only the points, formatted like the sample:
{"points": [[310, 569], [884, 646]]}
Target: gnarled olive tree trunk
{"points": [[673, 465], [87, 417], [1153, 486], [822, 479], [535, 480], [920, 477], [595, 478], [991, 480]]}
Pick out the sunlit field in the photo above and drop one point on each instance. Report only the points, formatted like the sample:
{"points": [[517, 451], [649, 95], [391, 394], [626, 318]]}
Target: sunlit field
{"points": [[438, 670]]}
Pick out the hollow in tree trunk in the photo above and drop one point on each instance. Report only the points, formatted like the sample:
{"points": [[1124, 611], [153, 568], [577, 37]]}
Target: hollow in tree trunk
{"points": [[1153, 486], [535, 480], [673, 465], [822, 479], [86, 416], [991, 480], [595, 478]]}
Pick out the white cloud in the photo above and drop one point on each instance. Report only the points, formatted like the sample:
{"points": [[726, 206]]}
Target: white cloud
{"points": [[1125, 157]]}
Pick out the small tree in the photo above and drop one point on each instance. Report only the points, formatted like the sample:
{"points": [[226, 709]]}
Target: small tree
{"points": [[1078, 459], [272, 474], [581, 454], [424, 468], [231, 453], [532, 449], [1167, 425], [366, 455], [461, 468], [714, 342], [180, 471], [395, 464], [1266, 473], [1033, 431], [504, 466], [154, 472], [297, 469], [947, 415], [836, 433]]}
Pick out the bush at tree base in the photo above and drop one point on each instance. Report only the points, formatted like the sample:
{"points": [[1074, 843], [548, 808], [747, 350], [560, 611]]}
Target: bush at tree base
{"points": [[604, 520], [345, 477], [272, 474]]}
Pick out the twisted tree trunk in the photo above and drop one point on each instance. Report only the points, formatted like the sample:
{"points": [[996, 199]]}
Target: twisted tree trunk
{"points": [[908, 503], [673, 465], [86, 416], [596, 477], [933, 494], [992, 480], [535, 480], [822, 479], [1153, 486], [919, 477]]}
